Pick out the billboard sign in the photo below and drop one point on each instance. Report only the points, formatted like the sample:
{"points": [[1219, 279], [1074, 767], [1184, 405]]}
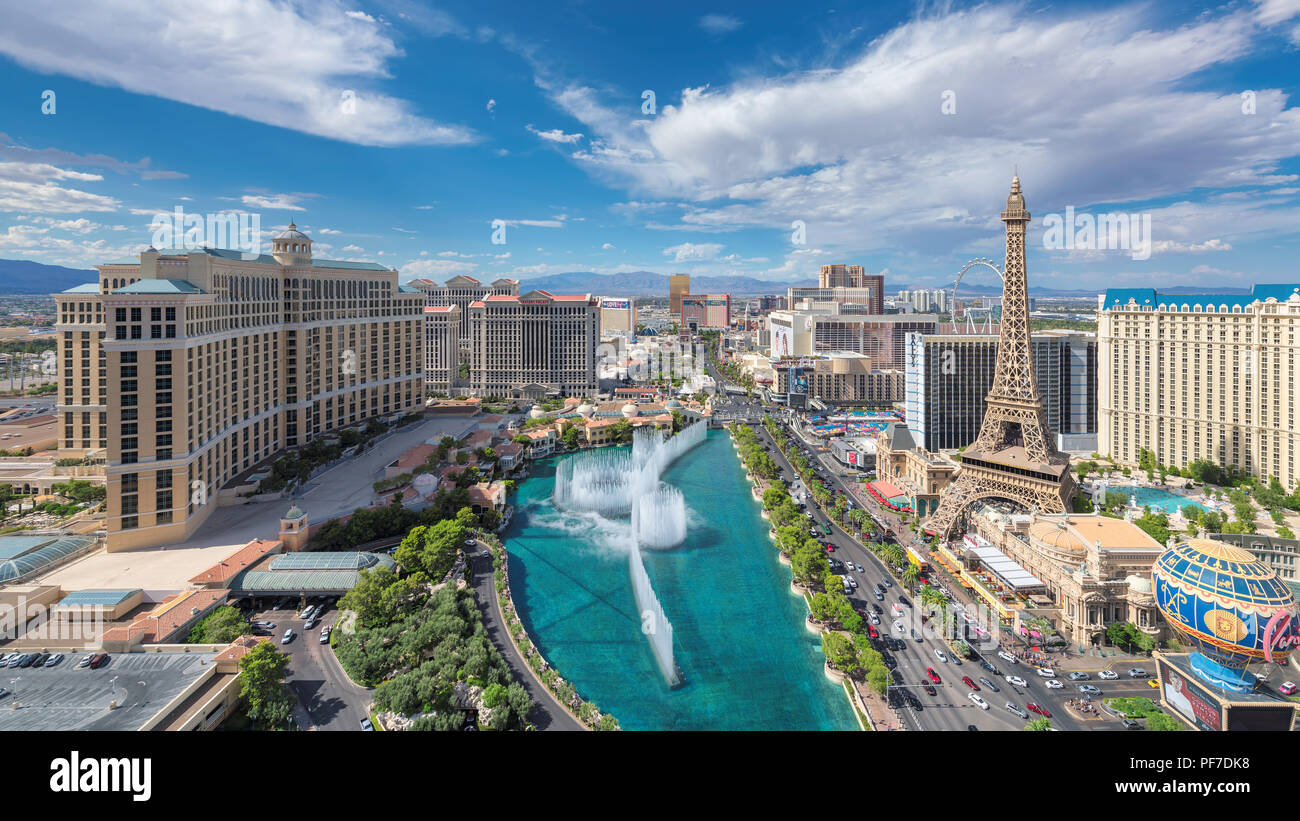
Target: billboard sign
{"points": [[1189, 700], [614, 304]]}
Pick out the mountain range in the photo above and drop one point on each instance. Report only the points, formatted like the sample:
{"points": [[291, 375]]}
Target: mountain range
{"points": [[27, 277], [22, 276]]}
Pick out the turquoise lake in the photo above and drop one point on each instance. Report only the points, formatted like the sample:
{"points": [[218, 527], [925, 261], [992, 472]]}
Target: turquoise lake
{"points": [[739, 636]]}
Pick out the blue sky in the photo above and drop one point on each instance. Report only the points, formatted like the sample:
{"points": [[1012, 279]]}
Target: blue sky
{"points": [[889, 131]]}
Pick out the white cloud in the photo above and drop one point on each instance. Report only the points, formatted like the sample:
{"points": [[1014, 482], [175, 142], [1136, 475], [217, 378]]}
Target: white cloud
{"points": [[282, 64], [328, 231], [609, 246], [1171, 247], [34, 188], [719, 23], [555, 223], [491, 106], [274, 202], [437, 268], [359, 15], [692, 252], [353, 249], [884, 155], [555, 135]]}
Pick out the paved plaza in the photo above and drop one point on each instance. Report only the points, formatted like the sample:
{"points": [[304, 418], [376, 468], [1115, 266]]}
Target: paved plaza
{"points": [[339, 490]]}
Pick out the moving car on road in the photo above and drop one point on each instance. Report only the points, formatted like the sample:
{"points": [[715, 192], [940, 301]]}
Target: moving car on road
{"points": [[1046, 672], [979, 702], [1089, 690], [1079, 675], [1005, 656], [929, 671], [1108, 675], [1053, 684], [1017, 680], [971, 684], [1012, 708], [1137, 672], [989, 684]]}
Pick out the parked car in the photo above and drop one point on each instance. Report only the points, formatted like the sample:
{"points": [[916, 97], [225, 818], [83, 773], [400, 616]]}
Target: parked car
{"points": [[288, 636], [1053, 684], [325, 634], [1012, 708], [85, 660], [989, 684], [1079, 675], [1108, 675], [366, 726], [1130, 724], [879, 596], [916, 635], [1287, 688], [311, 622], [99, 660], [1017, 680], [54, 660], [1089, 690], [979, 702], [1137, 672]]}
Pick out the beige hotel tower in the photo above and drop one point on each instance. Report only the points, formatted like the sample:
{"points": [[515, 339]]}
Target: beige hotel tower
{"points": [[187, 367], [1201, 376]]}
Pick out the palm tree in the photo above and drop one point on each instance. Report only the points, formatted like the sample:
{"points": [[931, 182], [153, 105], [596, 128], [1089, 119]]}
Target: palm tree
{"points": [[911, 575]]}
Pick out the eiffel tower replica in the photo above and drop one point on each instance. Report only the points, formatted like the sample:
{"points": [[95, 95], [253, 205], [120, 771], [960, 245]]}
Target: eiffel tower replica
{"points": [[1013, 458]]}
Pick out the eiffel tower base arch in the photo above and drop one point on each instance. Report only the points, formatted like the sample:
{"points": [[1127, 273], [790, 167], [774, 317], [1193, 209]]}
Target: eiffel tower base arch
{"points": [[974, 485]]}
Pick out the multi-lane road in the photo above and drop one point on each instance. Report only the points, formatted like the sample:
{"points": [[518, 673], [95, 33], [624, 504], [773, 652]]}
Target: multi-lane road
{"points": [[950, 708]]}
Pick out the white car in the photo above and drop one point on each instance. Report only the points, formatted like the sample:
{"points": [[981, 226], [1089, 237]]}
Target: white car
{"points": [[1109, 675], [940, 655], [979, 702], [1046, 672], [1017, 680], [1007, 657], [1053, 684]]}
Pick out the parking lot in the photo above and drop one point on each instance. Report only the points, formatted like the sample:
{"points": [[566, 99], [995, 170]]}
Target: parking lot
{"points": [[121, 695]]}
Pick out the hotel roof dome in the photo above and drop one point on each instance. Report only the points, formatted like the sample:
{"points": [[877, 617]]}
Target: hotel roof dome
{"points": [[1056, 533], [630, 409], [291, 232]]}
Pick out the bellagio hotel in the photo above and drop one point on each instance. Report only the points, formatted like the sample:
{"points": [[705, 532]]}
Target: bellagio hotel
{"points": [[186, 368], [1201, 376]]}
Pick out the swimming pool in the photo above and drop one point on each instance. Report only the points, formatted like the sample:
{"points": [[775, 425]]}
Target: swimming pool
{"points": [[1158, 499]]}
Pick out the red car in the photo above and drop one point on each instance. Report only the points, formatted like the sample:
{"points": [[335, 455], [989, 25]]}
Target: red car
{"points": [[1042, 711], [966, 680], [830, 548], [871, 631], [929, 671]]}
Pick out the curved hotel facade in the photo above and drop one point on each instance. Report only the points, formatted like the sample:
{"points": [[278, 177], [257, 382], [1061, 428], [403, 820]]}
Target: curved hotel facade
{"points": [[209, 361]]}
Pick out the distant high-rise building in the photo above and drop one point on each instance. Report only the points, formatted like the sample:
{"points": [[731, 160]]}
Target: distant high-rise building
{"points": [[879, 336], [617, 315], [533, 345], [442, 335], [461, 291], [949, 376], [678, 284], [706, 310], [211, 362], [843, 284], [1202, 376]]}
